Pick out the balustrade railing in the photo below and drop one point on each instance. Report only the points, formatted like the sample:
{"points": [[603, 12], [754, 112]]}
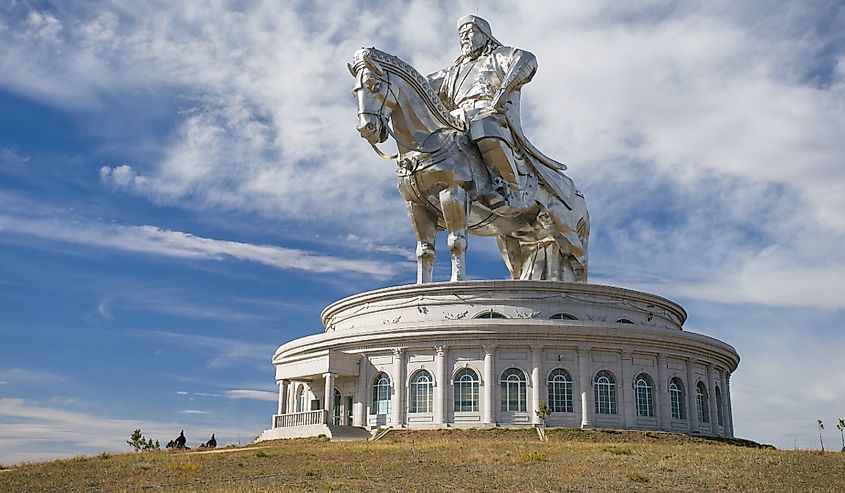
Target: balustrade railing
{"points": [[318, 417]]}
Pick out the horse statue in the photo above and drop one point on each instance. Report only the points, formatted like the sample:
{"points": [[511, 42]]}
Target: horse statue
{"points": [[444, 180]]}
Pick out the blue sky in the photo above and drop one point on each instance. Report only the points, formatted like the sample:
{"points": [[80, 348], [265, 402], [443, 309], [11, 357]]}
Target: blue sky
{"points": [[182, 189]]}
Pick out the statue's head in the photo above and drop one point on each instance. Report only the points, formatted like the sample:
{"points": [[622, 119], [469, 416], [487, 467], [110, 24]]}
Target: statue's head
{"points": [[474, 34]]}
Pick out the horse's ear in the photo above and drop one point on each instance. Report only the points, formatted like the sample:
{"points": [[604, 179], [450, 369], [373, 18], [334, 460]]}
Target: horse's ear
{"points": [[351, 70], [373, 65]]}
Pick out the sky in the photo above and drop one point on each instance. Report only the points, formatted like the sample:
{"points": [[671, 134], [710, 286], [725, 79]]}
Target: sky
{"points": [[182, 190]]}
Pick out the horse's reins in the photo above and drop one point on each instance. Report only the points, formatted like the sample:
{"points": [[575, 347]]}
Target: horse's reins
{"points": [[385, 124]]}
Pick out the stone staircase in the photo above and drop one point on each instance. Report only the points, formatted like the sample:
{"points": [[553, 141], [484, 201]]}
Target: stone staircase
{"points": [[347, 433]]}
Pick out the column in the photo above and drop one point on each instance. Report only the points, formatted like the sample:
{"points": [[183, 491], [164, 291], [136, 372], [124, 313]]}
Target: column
{"points": [[711, 400], [283, 394], [359, 414], [441, 385], [626, 392], [725, 397], [661, 391], [489, 384], [536, 370], [729, 418], [584, 384], [692, 414], [291, 398], [328, 398], [398, 388]]}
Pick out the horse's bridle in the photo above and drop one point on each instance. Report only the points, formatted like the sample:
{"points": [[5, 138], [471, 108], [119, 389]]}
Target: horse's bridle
{"points": [[384, 123]]}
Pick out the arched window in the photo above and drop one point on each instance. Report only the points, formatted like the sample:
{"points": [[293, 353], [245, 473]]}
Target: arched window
{"points": [[381, 394], [466, 391], [605, 387], [676, 399], [513, 390], [560, 391], [719, 407], [624, 321], [300, 398], [645, 395], [490, 314], [701, 403], [421, 392], [563, 316]]}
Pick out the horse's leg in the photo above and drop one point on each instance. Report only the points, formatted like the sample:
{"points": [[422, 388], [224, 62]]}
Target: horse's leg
{"points": [[455, 204], [425, 227]]}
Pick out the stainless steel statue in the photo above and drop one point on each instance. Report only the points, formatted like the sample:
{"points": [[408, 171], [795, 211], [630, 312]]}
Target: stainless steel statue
{"points": [[464, 164]]}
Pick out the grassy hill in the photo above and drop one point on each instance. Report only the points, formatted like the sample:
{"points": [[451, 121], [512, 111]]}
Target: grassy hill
{"points": [[468, 460]]}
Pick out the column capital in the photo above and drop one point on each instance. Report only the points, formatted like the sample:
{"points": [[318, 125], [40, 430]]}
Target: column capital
{"points": [[440, 349], [488, 348], [329, 375], [398, 351], [537, 346], [583, 348], [662, 357]]}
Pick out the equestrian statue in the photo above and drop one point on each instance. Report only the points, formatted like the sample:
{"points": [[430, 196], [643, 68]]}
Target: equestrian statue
{"points": [[464, 163]]}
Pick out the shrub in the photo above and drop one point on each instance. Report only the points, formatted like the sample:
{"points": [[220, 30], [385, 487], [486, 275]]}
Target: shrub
{"points": [[138, 442], [533, 457]]}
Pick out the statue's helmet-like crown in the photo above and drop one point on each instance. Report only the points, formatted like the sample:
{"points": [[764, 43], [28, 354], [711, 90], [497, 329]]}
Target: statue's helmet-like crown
{"points": [[480, 23]]}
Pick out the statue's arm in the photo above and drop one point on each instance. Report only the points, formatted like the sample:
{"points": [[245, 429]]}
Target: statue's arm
{"points": [[520, 68], [437, 79]]}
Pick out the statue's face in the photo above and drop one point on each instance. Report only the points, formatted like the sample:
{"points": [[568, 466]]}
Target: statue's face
{"points": [[472, 39]]}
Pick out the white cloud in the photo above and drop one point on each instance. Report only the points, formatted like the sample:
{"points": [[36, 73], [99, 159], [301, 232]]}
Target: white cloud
{"points": [[226, 351], [155, 241], [259, 395], [30, 430], [194, 411], [104, 309], [29, 376]]}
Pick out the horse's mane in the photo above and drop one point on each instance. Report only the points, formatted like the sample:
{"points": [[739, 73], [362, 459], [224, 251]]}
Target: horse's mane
{"points": [[416, 80]]}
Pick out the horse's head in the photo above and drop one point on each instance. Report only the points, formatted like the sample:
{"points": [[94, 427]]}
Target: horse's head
{"points": [[372, 89]]}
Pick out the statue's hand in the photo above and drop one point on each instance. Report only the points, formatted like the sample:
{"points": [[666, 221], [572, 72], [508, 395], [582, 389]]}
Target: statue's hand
{"points": [[500, 101]]}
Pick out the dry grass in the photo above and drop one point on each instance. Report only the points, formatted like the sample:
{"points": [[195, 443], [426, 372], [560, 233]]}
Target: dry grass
{"points": [[453, 460]]}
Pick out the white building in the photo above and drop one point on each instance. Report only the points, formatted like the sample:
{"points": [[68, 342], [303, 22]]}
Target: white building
{"points": [[487, 353]]}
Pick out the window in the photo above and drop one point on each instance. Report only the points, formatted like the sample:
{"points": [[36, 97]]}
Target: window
{"points": [[645, 395], [466, 391], [701, 403], [560, 391], [421, 392], [563, 316], [624, 321], [605, 387], [300, 399], [513, 390], [490, 314], [676, 399], [381, 394], [719, 411]]}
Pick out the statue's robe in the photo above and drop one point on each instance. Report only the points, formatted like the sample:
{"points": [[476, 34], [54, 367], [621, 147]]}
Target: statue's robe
{"points": [[468, 87]]}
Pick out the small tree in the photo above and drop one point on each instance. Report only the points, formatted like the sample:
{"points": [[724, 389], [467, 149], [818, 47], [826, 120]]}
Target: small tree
{"points": [[841, 427], [821, 427], [543, 411], [138, 442]]}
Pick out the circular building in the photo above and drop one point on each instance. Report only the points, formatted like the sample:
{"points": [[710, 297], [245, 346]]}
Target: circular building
{"points": [[489, 353]]}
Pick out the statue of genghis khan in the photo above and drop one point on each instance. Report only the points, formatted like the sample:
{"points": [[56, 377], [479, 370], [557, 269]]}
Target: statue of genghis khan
{"points": [[482, 88], [464, 164]]}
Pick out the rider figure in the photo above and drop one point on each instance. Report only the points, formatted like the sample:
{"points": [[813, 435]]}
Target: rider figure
{"points": [[483, 87]]}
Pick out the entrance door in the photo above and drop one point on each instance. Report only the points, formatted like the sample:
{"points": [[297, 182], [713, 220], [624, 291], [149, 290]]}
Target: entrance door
{"points": [[336, 411], [349, 411]]}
